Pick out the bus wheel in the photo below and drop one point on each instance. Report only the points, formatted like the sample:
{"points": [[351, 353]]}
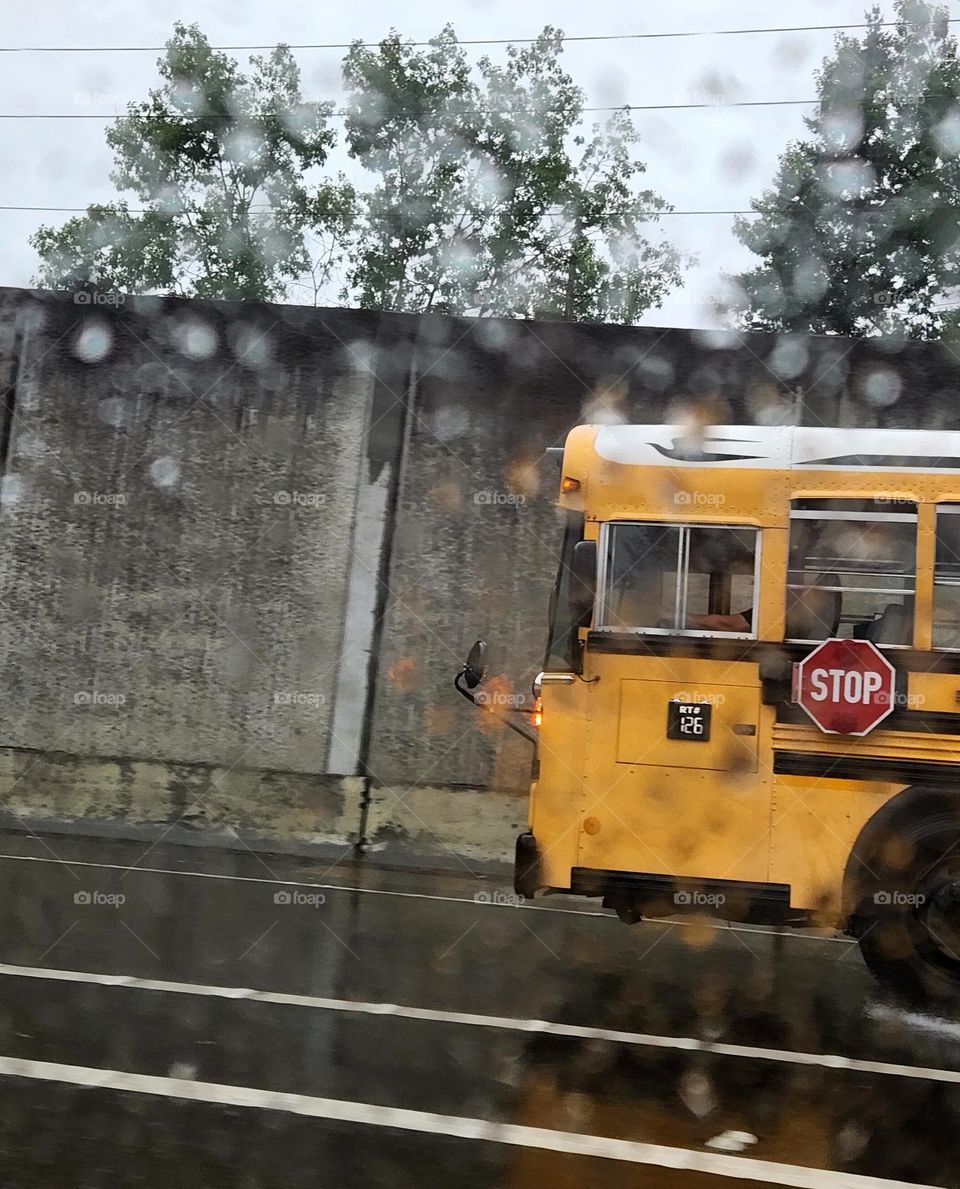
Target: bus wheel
{"points": [[630, 914], [908, 918], [625, 906]]}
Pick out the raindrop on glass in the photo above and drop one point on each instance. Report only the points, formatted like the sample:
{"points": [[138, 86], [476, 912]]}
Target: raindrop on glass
{"points": [[93, 342], [196, 340], [165, 472]]}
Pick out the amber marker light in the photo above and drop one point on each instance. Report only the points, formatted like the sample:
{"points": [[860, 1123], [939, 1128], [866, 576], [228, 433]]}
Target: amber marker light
{"points": [[538, 713], [568, 486]]}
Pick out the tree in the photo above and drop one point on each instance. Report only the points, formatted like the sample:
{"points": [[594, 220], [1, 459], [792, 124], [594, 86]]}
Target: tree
{"points": [[217, 159], [488, 199], [861, 230]]}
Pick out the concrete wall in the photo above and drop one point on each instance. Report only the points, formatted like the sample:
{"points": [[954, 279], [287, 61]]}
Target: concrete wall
{"points": [[177, 519], [252, 544]]}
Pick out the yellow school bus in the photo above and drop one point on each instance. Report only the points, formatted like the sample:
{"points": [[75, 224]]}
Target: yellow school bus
{"points": [[677, 768]]}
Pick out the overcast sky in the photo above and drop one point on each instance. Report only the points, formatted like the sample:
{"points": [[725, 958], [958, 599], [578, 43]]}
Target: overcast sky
{"points": [[698, 160]]}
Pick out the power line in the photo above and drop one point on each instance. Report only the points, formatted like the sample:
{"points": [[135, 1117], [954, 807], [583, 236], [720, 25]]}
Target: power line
{"points": [[628, 107], [82, 210], [346, 45]]}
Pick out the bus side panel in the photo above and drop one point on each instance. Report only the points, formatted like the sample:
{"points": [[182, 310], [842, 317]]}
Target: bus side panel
{"points": [[816, 821], [556, 795], [660, 817]]}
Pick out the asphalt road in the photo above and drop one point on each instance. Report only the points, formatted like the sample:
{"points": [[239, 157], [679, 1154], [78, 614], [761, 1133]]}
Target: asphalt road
{"points": [[188, 1017]]}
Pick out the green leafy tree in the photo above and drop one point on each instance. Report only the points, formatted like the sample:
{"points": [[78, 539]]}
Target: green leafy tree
{"points": [[217, 160], [488, 198], [861, 230]]}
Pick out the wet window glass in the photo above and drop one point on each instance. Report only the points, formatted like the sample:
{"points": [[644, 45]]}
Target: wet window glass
{"points": [[687, 578], [561, 644], [852, 572], [946, 578]]}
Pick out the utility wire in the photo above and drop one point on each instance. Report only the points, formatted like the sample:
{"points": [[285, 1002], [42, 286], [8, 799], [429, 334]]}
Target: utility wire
{"points": [[628, 107], [346, 45], [82, 210]]}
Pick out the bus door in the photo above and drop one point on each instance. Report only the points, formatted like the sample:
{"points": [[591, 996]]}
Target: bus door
{"points": [[673, 783]]}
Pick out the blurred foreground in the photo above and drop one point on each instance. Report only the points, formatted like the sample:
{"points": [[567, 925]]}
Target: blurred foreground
{"points": [[692, 1050]]}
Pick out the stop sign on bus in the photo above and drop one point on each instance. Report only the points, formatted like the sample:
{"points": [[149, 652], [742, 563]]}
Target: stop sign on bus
{"points": [[846, 686]]}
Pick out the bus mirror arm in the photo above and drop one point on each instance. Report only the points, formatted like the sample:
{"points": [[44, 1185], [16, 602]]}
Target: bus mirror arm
{"points": [[471, 697], [463, 689]]}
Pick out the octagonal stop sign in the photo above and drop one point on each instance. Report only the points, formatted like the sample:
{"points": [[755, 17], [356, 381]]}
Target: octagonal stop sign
{"points": [[846, 686]]}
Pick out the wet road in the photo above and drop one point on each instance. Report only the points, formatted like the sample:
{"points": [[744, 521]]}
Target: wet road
{"points": [[201, 1018]]}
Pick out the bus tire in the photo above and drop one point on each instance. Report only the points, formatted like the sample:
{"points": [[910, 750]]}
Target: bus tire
{"points": [[629, 912], [904, 881]]}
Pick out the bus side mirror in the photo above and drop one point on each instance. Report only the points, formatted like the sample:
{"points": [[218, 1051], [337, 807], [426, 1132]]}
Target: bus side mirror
{"points": [[475, 665], [583, 580]]}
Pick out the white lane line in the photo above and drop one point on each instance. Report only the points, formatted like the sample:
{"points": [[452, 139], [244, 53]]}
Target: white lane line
{"points": [[460, 1127], [337, 887], [473, 1020]]}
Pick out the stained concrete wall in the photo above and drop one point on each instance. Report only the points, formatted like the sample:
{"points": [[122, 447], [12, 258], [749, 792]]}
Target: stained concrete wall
{"points": [[244, 548], [177, 518]]}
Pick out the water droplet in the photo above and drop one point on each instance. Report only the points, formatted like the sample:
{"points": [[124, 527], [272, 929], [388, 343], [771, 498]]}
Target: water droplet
{"points": [[881, 388], [717, 338], [788, 358], [113, 411], [30, 445], [843, 179], [656, 373], [252, 347], [165, 472], [495, 334], [196, 339], [842, 130], [363, 353], [93, 342], [450, 421], [11, 489], [947, 134]]}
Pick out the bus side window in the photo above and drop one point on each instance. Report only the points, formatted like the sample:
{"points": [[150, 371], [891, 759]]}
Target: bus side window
{"points": [[851, 572], [641, 574], [946, 578], [721, 568], [679, 578]]}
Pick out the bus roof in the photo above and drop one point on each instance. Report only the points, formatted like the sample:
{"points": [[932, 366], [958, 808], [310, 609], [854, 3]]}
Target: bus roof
{"points": [[781, 447]]}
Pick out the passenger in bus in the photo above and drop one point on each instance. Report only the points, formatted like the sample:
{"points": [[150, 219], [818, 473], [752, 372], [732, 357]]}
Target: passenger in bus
{"points": [[738, 622], [894, 625], [812, 614]]}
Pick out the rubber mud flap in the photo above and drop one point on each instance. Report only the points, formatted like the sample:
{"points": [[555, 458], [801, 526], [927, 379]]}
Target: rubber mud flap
{"points": [[526, 867]]}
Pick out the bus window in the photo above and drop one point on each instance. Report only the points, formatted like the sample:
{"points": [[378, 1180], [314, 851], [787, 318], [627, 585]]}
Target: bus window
{"points": [[946, 579], [851, 572], [679, 578]]}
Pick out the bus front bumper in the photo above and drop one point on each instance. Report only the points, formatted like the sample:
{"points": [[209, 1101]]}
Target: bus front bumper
{"points": [[652, 895]]}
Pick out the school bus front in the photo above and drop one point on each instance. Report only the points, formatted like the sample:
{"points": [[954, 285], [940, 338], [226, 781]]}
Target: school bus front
{"points": [[675, 772]]}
